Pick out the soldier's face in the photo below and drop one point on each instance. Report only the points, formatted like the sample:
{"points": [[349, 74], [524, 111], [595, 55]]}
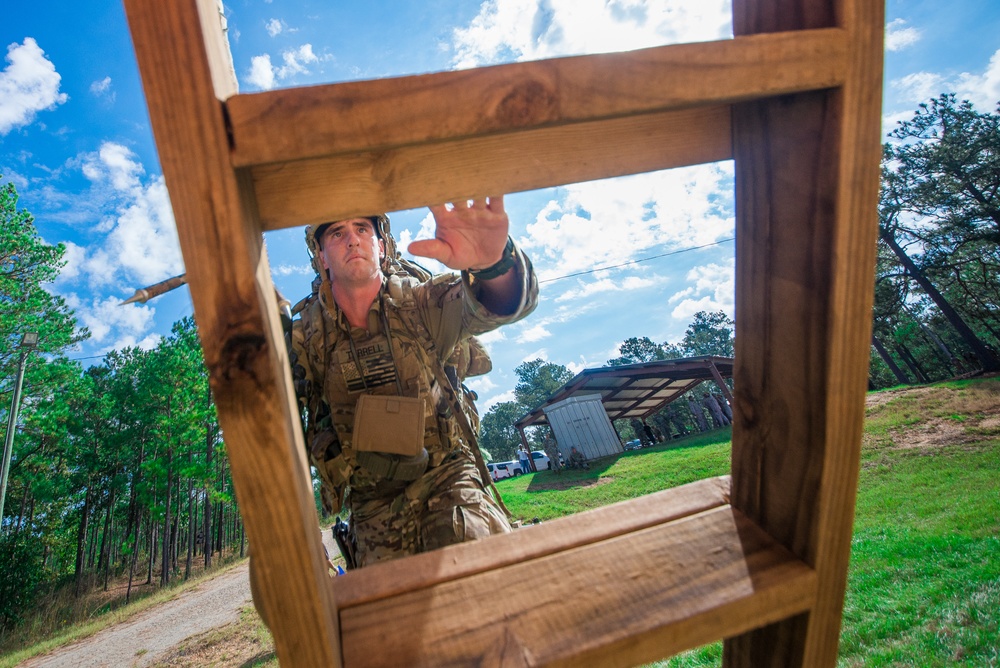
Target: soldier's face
{"points": [[351, 252]]}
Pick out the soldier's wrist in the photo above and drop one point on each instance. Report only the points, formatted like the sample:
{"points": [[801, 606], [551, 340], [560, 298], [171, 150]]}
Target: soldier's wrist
{"points": [[500, 267]]}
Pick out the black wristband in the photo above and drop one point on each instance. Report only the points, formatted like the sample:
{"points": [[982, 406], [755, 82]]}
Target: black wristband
{"points": [[502, 266]]}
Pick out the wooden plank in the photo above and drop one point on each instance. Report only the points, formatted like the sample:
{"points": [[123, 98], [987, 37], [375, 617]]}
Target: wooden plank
{"points": [[333, 188], [532, 542], [294, 124], [807, 185], [237, 318], [618, 602]]}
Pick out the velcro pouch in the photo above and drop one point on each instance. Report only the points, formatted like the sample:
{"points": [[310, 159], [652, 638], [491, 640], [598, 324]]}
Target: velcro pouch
{"points": [[389, 423]]}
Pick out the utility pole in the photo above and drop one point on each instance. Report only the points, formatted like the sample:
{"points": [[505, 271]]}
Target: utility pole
{"points": [[28, 342]]}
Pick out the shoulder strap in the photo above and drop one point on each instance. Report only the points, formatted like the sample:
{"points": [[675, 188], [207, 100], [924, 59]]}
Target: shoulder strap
{"points": [[401, 291]]}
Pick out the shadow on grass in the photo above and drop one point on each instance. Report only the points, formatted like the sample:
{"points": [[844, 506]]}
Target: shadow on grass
{"points": [[572, 478]]}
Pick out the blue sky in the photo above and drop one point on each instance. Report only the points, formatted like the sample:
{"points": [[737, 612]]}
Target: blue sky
{"points": [[75, 140]]}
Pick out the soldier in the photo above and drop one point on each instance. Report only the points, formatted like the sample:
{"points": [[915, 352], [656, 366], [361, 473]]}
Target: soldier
{"points": [[576, 459], [552, 451], [709, 402], [698, 413], [389, 431]]}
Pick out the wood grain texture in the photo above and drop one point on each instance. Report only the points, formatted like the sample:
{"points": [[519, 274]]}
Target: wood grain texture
{"points": [[387, 114], [237, 319], [807, 181], [315, 191], [616, 602], [532, 542]]}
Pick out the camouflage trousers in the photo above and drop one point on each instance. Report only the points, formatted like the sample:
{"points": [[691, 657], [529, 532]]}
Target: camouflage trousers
{"points": [[447, 505]]}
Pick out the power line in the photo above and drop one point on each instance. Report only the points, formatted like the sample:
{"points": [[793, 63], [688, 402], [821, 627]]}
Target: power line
{"points": [[637, 261]]}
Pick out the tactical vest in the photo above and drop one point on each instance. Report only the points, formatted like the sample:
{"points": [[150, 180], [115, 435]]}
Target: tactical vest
{"points": [[399, 356]]}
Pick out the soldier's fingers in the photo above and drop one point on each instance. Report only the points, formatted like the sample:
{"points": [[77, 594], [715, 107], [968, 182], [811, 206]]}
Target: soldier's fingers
{"points": [[432, 248], [495, 203]]}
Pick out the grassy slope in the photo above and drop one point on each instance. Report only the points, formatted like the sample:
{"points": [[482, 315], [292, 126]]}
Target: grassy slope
{"points": [[924, 587], [924, 584]]}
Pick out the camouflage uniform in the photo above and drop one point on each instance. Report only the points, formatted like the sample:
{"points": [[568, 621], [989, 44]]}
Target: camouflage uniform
{"points": [[401, 505], [552, 451]]}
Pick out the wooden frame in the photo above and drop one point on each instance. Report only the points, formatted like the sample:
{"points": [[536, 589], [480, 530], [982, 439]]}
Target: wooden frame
{"points": [[794, 99]]}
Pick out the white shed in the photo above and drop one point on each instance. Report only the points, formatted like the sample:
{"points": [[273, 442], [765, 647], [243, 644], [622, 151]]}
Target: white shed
{"points": [[581, 421]]}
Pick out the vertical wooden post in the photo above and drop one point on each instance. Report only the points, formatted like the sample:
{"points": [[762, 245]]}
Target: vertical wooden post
{"points": [[187, 73], [806, 225]]}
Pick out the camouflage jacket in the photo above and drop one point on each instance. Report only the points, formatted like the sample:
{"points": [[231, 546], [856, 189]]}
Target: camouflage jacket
{"points": [[414, 329]]}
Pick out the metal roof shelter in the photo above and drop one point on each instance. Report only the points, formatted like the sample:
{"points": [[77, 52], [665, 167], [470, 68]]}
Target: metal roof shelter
{"points": [[638, 390]]}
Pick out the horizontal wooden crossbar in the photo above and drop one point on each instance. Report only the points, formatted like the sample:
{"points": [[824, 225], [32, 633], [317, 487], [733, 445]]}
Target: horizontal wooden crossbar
{"points": [[315, 191], [310, 122], [648, 578]]}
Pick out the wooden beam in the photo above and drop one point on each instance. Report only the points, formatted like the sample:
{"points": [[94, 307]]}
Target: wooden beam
{"points": [[237, 318], [426, 570], [622, 601], [385, 114], [806, 222], [314, 191]]}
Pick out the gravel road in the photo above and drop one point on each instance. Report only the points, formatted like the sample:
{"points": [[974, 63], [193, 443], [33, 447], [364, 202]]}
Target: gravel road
{"points": [[150, 635]]}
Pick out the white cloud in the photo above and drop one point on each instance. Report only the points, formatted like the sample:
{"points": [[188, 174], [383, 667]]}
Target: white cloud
{"points": [[487, 404], [586, 290], [101, 87], [74, 258], [261, 73], [295, 61], [490, 338], [898, 36], [611, 222], [534, 333], [113, 325], [532, 29], [480, 384], [274, 27], [265, 75], [983, 90], [28, 85], [541, 353], [712, 287], [141, 238], [293, 270], [920, 86]]}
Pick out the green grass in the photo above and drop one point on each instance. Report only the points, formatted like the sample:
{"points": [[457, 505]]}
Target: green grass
{"points": [[547, 495], [924, 578]]}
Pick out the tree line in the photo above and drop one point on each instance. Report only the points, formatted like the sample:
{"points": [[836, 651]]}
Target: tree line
{"points": [[119, 469]]}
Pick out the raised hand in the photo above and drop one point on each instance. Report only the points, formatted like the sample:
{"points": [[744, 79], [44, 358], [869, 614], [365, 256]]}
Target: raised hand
{"points": [[468, 235]]}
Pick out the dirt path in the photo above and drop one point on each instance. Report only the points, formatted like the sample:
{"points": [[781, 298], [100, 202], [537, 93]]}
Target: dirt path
{"points": [[152, 635], [149, 636]]}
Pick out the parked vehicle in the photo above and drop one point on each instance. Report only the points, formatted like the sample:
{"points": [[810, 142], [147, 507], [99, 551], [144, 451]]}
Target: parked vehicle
{"points": [[501, 470], [634, 444], [540, 460]]}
